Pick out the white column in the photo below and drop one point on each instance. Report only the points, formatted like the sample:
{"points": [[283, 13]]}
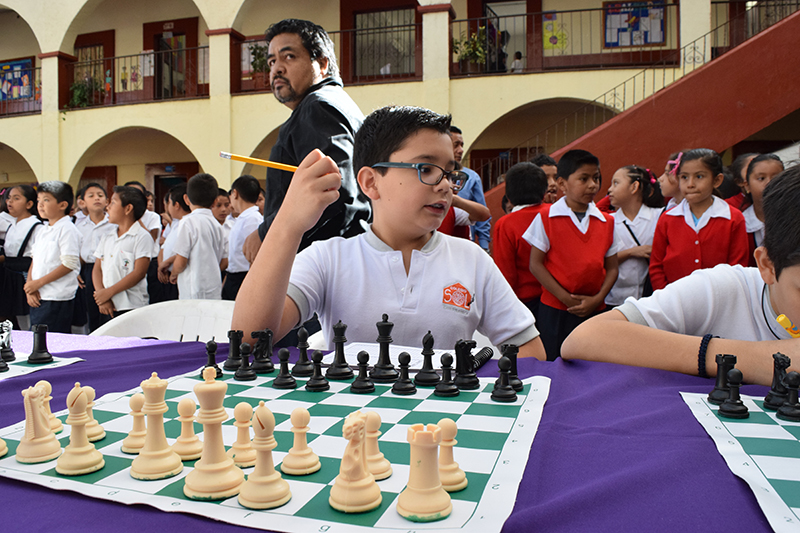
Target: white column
{"points": [[436, 53]]}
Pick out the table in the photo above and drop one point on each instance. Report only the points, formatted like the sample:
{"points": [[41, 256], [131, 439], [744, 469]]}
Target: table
{"points": [[617, 449]]}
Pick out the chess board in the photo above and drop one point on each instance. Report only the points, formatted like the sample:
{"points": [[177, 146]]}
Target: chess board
{"points": [[20, 366], [763, 450], [494, 440]]}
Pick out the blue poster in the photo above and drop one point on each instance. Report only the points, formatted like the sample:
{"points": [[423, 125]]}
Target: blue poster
{"points": [[16, 80], [634, 23]]}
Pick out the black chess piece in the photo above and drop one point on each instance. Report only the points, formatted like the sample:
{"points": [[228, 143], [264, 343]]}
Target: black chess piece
{"points": [[262, 352], [721, 390], [317, 383], [362, 383], [339, 369], [465, 366], [40, 355], [510, 351], [484, 354], [304, 367], [427, 376], [446, 387], [384, 371], [778, 393], [211, 352], [790, 410], [6, 351], [284, 379], [404, 386], [234, 360], [733, 407], [245, 372], [503, 391], [3, 366]]}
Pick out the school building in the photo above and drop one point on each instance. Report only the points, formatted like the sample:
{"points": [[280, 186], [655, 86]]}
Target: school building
{"points": [[153, 90]]}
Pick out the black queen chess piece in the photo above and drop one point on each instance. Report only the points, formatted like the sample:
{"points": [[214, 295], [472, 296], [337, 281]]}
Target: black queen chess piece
{"points": [[778, 394], [384, 371], [234, 360], [339, 369], [304, 367], [40, 355], [211, 353], [262, 352], [427, 376]]}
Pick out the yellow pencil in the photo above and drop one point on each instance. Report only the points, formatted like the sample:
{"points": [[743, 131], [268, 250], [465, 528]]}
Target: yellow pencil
{"points": [[787, 324], [259, 162]]}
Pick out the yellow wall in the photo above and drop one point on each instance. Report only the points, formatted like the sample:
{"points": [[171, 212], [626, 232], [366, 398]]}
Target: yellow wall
{"points": [[255, 16], [16, 38]]}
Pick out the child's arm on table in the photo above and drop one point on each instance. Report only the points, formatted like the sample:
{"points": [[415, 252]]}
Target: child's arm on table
{"points": [[262, 301], [588, 304], [547, 280], [477, 212]]}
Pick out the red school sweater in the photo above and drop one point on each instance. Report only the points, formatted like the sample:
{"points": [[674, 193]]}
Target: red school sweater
{"points": [[576, 260], [512, 253]]}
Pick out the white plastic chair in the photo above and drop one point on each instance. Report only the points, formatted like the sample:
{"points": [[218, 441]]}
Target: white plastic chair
{"points": [[177, 320]]}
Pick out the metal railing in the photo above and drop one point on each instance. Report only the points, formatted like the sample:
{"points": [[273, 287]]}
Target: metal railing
{"points": [[389, 53], [20, 91], [253, 73], [637, 88], [147, 77]]}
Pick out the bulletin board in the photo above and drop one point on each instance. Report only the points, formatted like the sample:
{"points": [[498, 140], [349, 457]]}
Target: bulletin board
{"points": [[16, 78], [634, 23]]}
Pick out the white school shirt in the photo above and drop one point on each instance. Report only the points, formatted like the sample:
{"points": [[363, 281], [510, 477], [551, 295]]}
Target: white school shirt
{"points": [[119, 253], [718, 209], [730, 301], [632, 272], [753, 225], [536, 236], [16, 234], [169, 241], [151, 221], [200, 241], [56, 245], [246, 223], [452, 288], [5, 222], [92, 234]]}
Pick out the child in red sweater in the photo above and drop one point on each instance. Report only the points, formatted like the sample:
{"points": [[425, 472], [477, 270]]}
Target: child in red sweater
{"points": [[573, 253], [700, 232], [526, 186]]}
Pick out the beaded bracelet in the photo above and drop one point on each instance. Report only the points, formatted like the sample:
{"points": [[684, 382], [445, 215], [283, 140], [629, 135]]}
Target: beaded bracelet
{"points": [[701, 355]]}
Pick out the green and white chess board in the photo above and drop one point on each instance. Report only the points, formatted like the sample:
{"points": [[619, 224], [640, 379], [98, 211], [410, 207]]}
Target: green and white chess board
{"points": [[20, 366], [763, 450], [494, 441]]}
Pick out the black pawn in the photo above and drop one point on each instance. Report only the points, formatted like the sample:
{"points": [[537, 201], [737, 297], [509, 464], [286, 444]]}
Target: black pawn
{"points": [[503, 391], [40, 355], [245, 372], [211, 352], [384, 371], [234, 360], [510, 351], [284, 379], [791, 409], [362, 383], [733, 407], [721, 391], [339, 369], [262, 352], [427, 376], [778, 393], [404, 386], [303, 368], [465, 366], [446, 387], [317, 383]]}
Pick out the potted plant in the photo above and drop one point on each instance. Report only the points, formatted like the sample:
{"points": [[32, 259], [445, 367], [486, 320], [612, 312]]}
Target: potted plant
{"points": [[471, 50], [86, 92], [258, 65]]}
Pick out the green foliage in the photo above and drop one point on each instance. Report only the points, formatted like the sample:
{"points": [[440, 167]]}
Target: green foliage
{"points": [[472, 47], [258, 58], [86, 92]]}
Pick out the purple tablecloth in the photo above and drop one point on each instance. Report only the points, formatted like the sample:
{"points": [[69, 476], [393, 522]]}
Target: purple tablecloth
{"points": [[617, 450]]}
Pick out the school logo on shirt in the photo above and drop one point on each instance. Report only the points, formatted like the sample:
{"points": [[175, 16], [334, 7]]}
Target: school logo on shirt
{"points": [[456, 297]]}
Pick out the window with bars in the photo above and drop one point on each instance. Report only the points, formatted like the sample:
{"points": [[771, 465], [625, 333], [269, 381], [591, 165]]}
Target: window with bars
{"points": [[385, 43], [90, 63]]}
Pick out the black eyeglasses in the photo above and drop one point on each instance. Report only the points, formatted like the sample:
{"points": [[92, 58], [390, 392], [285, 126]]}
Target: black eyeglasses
{"points": [[431, 174]]}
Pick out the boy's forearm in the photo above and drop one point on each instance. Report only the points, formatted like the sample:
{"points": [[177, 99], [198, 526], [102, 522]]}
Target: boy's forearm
{"points": [[476, 211], [179, 264], [547, 280], [612, 272], [57, 273], [97, 275]]}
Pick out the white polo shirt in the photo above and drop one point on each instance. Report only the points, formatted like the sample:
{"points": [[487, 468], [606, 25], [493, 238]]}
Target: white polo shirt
{"points": [[169, 242], [5, 222], [17, 232], [753, 225], [92, 234], [452, 289], [151, 221], [57, 245], [119, 253], [536, 236], [633, 271], [200, 241], [246, 223]]}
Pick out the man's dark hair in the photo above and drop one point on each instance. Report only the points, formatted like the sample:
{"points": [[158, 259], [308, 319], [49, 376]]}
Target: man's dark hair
{"points": [[138, 185], [573, 160], [541, 160], [454, 129], [61, 191], [315, 39], [175, 195], [247, 187], [526, 183], [386, 130], [202, 190], [132, 196], [781, 223], [93, 185]]}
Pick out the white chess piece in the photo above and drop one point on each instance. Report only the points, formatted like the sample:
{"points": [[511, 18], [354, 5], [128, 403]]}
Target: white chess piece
{"points": [[354, 489], [134, 442], [264, 488], [424, 499], [38, 444], [188, 446], [380, 467], [3, 448], [94, 431], [80, 456], [55, 423], [301, 459], [452, 477], [242, 451], [156, 460]]}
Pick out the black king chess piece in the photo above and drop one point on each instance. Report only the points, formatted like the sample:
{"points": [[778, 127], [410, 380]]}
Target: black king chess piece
{"points": [[245, 372], [234, 360], [384, 371], [262, 352], [725, 362], [465, 366], [304, 367], [40, 355], [427, 376], [778, 393], [211, 353], [339, 369]]}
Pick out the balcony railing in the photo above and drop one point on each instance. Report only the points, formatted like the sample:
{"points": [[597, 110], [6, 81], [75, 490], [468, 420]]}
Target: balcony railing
{"points": [[252, 77], [147, 77], [392, 53], [20, 91]]}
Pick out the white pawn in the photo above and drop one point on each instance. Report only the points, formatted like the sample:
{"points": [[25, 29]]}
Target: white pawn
{"points": [[94, 431], [55, 423], [134, 442], [452, 477], [188, 446], [379, 466], [301, 459], [242, 451], [38, 444], [3, 448], [264, 488], [80, 456]]}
